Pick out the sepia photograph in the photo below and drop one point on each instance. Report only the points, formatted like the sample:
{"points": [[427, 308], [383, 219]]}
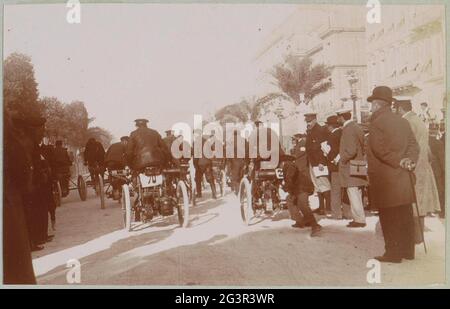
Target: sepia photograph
{"points": [[215, 144]]}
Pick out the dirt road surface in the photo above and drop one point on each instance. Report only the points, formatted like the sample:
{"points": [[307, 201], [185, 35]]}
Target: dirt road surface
{"points": [[218, 249]]}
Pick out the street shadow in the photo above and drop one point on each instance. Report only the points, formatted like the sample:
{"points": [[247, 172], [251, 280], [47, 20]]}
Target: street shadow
{"points": [[203, 263]]}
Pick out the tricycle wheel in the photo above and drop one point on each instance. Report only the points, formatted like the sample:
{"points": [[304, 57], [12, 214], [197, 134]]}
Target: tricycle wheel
{"points": [[126, 207], [57, 193], [245, 198], [182, 204], [101, 191], [81, 186]]}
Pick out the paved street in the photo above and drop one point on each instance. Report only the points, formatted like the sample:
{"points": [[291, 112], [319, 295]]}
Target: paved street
{"points": [[217, 249]]}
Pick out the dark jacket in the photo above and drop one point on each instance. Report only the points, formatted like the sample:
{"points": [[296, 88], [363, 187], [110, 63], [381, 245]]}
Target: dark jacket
{"points": [[202, 161], [94, 153], [60, 159], [390, 140], [334, 140], [351, 148], [256, 142], [17, 173], [297, 178], [115, 157], [168, 140], [315, 136], [146, 148]]}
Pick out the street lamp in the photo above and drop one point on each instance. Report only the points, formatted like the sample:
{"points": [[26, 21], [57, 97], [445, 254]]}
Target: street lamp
{"points": [[353, 80], [279, 114]]}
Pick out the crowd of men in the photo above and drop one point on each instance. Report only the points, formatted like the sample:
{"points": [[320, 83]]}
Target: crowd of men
{"points": [[388, 166]]}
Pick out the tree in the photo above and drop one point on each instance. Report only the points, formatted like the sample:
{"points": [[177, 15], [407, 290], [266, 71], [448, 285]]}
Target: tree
{"points": [[237, 112], [296, 76], [77, 122], [101, 135], [20, 91], [53, 111], [265, 104]]}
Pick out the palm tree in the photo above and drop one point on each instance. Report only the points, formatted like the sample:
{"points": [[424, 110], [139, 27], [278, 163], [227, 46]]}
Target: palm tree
{"points": [[297, 75]]}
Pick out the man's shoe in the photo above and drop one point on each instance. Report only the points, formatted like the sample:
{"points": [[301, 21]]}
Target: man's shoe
{"points": [[388, 259], [298, 225], [315, 231], [354, 224], [36, 248], [319, 212]]}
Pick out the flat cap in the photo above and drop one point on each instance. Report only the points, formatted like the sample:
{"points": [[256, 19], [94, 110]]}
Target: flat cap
{"points": [[343, 111]]}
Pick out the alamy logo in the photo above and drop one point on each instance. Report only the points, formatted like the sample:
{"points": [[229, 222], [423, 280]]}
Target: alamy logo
{"points": [[374, 274], [74, 14], [74, 273], [374, 14]]}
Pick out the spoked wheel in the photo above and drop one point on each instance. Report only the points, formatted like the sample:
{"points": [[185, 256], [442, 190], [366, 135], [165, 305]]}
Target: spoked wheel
{"points": [[245, 198], [223, 183], [82, 190], [57, 193], [101, 191], [126, 207], [182, 204], [193, 195], [193, 189]]}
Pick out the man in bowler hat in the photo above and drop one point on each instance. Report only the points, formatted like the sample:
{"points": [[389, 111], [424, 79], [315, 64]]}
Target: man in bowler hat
{"points": [[392, 153]]}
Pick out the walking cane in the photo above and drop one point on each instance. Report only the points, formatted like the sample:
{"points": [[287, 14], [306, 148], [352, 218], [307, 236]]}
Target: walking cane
{"points": [[411, 178]]}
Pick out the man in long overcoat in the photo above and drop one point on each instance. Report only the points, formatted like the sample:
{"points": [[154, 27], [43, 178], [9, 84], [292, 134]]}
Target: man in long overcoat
{"points": [[339, 209], [352, 148], [427, 195], [392, 152], [17, 176]]}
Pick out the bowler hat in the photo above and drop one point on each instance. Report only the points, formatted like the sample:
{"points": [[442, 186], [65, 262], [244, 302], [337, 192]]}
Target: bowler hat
{"points": [[383, 93]]}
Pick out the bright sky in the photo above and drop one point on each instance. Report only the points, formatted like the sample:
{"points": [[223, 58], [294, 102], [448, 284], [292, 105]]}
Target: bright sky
{"points": [[127, 61]]}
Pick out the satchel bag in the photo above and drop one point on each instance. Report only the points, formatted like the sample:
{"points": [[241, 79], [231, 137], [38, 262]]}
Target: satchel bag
{"points": [[359, 167]]}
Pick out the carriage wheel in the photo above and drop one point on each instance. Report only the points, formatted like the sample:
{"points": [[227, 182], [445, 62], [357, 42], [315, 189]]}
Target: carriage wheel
{"points": [[182, 204], [81, 186], [194, 196], [193, 189], [245, 198], [101, 191], [223, 183], [126, 207], [57, 193]]}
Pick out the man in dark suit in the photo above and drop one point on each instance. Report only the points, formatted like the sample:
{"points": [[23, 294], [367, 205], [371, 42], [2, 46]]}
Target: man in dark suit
{"points": [[339, 209], [352, 148], [315, 136], [391, 154], [17, 184]]}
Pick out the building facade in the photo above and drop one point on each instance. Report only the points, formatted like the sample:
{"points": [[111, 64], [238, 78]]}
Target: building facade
{"points": [[406, 52], [333, 35]]}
